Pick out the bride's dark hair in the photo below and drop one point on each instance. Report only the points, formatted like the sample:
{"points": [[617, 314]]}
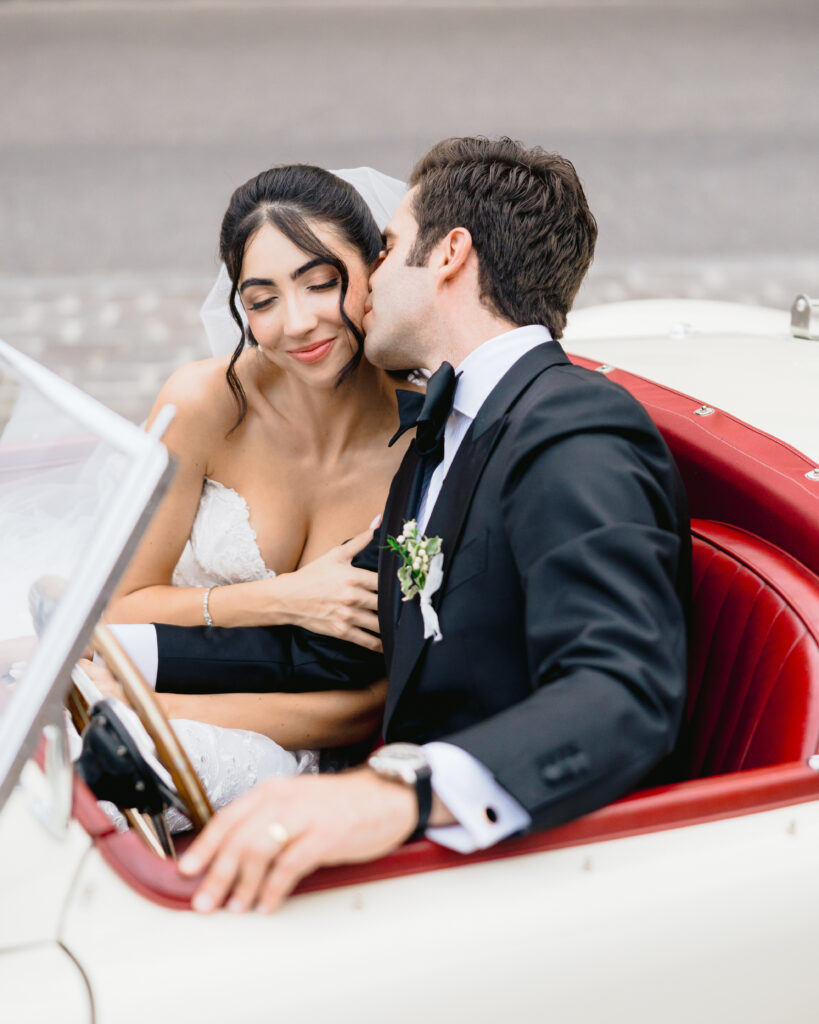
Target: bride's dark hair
{"points": [[287, 197]]}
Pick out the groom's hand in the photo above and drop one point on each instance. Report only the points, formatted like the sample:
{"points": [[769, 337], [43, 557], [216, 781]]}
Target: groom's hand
{"points": [[257, 849]]}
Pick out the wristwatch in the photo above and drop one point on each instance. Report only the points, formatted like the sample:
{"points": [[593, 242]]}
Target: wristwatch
{"points": [[407, 763]]}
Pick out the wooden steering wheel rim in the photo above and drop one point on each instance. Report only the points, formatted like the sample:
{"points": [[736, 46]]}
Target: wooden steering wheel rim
{"points": [[143, 700]]}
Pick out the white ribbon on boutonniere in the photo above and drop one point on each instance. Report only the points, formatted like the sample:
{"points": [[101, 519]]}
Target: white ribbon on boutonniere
{"points": [[421, 572]]}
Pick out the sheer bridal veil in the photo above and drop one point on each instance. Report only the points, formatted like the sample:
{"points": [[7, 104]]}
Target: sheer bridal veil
{"points": [[380, 192]]}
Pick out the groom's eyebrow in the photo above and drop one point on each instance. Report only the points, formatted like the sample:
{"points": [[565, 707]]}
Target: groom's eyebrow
{"points": [[270, 283]]}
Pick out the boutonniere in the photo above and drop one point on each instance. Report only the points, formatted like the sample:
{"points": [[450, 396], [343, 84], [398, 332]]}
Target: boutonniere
{"points": [[421, 572]]}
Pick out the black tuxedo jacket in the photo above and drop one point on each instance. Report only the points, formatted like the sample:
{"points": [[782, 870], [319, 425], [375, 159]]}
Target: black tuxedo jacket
{"points": [[566, 569]]}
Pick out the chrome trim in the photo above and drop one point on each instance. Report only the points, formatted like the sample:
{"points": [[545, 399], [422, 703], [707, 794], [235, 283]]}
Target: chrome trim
{"points": [[803, 312], [704, 410], [51, 804]]}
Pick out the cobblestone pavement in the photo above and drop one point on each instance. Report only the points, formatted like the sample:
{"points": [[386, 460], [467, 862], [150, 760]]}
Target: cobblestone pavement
{"points": [[120, 337]]}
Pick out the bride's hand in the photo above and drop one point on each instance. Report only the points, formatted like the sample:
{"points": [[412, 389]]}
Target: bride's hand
{"points": [[331, 596], [102, 678]]}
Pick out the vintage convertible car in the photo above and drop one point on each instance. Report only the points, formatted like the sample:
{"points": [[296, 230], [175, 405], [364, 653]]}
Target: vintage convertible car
{"points": [[697, 900]]}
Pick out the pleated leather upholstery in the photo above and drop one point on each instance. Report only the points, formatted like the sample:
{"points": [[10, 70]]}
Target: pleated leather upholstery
{"points": [[754, 659]]}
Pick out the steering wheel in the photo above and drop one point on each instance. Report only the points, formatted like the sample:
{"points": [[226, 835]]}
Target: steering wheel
{"points": [[142, 699]]}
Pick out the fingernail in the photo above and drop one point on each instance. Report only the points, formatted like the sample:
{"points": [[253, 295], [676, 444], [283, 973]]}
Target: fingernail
{"points": [[189, 865], [203, 903], [376, 522], [235, 906]]}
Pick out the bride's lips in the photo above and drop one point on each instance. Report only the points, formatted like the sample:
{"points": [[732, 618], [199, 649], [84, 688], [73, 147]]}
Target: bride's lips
{"points": [[313, 352]]}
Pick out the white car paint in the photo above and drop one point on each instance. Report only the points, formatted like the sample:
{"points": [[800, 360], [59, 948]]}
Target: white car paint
{"points": [[738, 358]]}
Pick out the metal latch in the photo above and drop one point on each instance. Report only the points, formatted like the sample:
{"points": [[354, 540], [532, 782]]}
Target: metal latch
{"points": [[805, 318]]}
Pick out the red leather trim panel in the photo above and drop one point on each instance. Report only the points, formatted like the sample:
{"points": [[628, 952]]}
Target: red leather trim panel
{"points": [[677, 806], [733, 472]]}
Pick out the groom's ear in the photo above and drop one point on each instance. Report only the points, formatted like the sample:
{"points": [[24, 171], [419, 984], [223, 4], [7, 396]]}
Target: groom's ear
{"points": [[452, 253]]}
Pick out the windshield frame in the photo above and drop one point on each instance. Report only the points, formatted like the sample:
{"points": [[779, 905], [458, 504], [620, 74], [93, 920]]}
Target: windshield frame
{"points": [[39, 702]]}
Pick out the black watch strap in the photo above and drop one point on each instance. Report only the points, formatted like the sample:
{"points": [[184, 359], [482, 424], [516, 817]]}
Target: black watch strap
{"points": [[423, 791]]}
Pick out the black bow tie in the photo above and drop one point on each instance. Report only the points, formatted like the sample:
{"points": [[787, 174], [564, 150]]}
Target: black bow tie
{"points": [[428, 412]]}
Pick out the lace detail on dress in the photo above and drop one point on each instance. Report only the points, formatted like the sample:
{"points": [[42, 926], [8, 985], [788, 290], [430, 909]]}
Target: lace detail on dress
{"points": [[222, 547]]}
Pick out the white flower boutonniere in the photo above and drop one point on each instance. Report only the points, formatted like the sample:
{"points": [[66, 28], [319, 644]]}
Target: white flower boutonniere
{"points": [[421, 572]]}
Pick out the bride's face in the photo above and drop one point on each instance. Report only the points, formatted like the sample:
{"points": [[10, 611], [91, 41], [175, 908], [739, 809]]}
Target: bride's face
{"points": [[292, 302]]}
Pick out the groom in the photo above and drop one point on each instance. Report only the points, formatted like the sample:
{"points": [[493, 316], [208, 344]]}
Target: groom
{"points": [[558, 681]]}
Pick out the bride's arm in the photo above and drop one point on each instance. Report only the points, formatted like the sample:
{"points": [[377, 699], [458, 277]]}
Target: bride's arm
{"points": [[328, 596], [330, 718], [146, 593], [324, 718]]}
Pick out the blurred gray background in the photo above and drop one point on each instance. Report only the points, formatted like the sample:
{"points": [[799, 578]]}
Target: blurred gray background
{"points": [[124, 127]]}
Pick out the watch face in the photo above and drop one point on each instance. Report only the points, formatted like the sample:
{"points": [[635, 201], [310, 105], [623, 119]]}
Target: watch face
{"points": [[399, 761]]}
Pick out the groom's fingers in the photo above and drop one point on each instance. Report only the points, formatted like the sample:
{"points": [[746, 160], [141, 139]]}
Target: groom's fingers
{"points": [[215, 834], [295, 862], [257, 851]]}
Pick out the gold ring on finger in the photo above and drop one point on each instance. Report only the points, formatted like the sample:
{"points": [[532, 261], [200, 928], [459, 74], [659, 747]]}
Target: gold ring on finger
{"points": [[278, 833]]}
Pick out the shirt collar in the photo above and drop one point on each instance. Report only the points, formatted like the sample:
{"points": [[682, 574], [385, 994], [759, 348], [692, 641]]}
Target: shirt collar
{"points": [[484, 367]]}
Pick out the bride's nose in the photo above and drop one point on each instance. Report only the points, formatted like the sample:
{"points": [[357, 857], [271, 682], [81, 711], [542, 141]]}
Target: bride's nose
{"points": [[299, 318]]}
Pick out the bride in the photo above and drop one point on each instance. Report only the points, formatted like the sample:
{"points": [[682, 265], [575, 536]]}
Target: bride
{"points": [[281, 451]]}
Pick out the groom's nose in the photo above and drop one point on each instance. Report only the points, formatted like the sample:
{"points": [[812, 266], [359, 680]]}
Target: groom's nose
{"points": [[378, 261]]}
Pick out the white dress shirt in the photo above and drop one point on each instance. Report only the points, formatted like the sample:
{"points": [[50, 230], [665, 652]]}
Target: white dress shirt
{"points": [[485, 811]]}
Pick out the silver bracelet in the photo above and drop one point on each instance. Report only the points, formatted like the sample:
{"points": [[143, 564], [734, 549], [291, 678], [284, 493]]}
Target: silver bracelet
{"points": [[205, 609]]}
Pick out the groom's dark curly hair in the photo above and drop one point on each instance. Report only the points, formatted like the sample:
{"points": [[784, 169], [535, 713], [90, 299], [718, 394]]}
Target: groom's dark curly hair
{"points": [[527, 213]]}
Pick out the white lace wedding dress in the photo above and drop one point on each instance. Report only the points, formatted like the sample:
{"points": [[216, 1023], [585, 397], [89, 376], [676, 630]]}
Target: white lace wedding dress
{"points": [[221, 550]]}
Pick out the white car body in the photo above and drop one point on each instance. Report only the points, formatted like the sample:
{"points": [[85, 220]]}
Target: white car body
{"points": [[709, 921]]}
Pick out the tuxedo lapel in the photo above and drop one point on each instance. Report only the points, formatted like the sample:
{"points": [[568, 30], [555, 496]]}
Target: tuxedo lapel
{"points": [[407, 642], [403, 492], [446, 522]]}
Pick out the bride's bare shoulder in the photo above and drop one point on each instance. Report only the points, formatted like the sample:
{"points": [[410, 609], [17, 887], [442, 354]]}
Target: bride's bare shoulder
{"points": [[201, 395]]}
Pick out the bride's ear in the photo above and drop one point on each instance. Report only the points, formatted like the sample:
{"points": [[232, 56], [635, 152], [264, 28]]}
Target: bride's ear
{"points": [[454, 251]]}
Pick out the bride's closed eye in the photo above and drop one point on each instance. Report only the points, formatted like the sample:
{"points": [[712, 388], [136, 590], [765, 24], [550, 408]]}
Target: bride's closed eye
{"points": [[325, 286]]}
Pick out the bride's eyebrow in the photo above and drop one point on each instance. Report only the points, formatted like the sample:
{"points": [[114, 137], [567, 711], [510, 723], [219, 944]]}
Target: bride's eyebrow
{"points": [[270, 283]]}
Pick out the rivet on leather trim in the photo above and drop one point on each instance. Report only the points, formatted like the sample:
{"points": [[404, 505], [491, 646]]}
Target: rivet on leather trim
{"points": [[603, 368], [813, 474], [704, 410]]}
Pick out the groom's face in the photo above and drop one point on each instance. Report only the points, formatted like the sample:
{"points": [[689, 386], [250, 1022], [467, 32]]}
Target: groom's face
{"points": [[401, 300]]}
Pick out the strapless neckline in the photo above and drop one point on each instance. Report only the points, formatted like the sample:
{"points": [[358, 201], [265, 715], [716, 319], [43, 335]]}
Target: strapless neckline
{"points": [[222, 547]]}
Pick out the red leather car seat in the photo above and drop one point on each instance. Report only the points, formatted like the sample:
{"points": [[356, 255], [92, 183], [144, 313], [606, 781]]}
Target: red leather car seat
{"points": [[754, 655]]}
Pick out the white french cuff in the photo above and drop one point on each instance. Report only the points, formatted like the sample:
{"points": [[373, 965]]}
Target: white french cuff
{"points": [[486, 812], [140, 644]]}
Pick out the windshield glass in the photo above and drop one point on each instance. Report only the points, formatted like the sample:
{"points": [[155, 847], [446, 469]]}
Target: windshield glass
{"points": [[56, 480], [77, 484]]}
